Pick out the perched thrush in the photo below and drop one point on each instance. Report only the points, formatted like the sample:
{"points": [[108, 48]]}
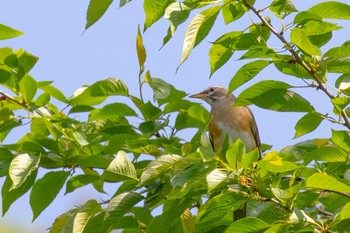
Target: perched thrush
{"points": [[233, 121]]}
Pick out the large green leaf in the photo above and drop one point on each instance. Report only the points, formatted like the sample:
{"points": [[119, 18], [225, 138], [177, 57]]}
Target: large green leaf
{"points": [[154, 10], [338, 65], [326, 182], [53, 91], [246, 73], [21, 167], [157, 167], [331, 10], [307, 124], [247, 225], [161, 89], [341, 138], [28, 88], [196, 116], [198, 29], [338, 52], [112, 112], [218, 55], [79, 220], [9, 195], [8, 33], [282, 7], [329, 154], [299, 38], [313, 27], [96, 10], [98, 92], [41, 196], [120, 168], [121, 204], [274, 163], [345, 212], [273, 95], [80, 181], [232, 11]]}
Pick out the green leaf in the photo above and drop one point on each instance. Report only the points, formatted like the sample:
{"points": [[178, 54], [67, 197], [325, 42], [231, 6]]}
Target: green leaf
{"points": [[235, 153], [156, 167], [43, 99], [341, 138], [140, 49], [232, 11], [328, 154], [98, 92], [161, 89], [196, 116], [313, 27], [345, 212], [305, 16], [41, 196], [198, 29], [120, 167], [299, 38], [343, 84], [287, 65], [22, 167], [96, 10], [154, 10], [307, 124], [218, 55], [331, 10], [26, 60], [54, 92], [111, 112], [9, 195], [326, 182], [247, 225], [270, 94], [149, 111], [8, 33], [339, 52], [246, 73], [79, 181], [121, 204], [274, 163], [27, 87], [338, 65], [282, 6], [79, 220]]}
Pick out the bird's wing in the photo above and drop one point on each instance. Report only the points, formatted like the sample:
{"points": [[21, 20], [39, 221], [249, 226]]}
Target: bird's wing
{"points": [[254, 129]]}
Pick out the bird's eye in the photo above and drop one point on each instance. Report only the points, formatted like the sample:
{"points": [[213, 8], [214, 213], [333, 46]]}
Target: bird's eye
{"points": [[212, 89]]}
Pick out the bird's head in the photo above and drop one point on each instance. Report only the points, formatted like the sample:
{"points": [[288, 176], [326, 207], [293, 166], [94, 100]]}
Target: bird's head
{"points": [[214, 94]]}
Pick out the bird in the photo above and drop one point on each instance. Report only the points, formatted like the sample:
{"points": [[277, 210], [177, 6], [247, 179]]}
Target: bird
{"points": [[237, 122]]}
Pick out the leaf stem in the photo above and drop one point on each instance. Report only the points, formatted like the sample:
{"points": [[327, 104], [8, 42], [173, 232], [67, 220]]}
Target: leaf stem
{"points": [[298, 59], [5, 96]]}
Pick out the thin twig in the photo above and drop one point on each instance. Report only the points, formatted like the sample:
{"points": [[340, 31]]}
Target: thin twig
{"points": [[298, 59], [325, 213], [5, 96]]}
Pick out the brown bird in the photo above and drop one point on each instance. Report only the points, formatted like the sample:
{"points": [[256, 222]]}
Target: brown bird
{"points": [[235, 122]]}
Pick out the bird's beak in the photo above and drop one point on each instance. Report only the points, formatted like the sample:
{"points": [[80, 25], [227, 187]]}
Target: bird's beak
{"points": [[198, 96]]}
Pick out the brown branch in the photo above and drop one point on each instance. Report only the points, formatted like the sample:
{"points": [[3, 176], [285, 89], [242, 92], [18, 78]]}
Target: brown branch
{"points": [[5, 96], [298, 59]]}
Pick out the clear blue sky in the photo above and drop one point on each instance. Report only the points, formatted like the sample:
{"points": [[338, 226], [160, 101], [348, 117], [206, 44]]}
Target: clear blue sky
{"points": [[54, 32]]}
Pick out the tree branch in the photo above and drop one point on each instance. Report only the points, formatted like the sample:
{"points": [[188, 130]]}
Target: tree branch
{"points": [[297, 58], [5, 96]]}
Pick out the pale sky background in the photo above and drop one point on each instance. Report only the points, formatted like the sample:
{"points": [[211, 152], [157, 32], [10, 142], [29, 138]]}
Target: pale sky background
{"points": [[54, 32]]}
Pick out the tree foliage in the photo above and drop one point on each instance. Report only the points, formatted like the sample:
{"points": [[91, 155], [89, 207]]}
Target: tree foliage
{"points": [[135, 144]]}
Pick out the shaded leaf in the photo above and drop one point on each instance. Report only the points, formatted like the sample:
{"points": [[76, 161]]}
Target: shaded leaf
{"points": [[80, 181], [329, 154], [232, 11], [112, 112], [96, 10], [41, 196]]}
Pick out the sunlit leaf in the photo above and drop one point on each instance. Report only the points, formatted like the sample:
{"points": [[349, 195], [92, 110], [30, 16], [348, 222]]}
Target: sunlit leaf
{"points": [[198, 29], [307, 124], [232, 11], [331, 10], [218, 55], [8, 33], [96, 10], [326, 182], [274, 163], [282, 6], [154, 10], [42, 196], [112, 112], [342, 139], [21, 167], [247, 72], [121, 166], [140, 49], [300, 39], [345, 212], [247, 225], [273, 95], [28, 88], [80, 181]]}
